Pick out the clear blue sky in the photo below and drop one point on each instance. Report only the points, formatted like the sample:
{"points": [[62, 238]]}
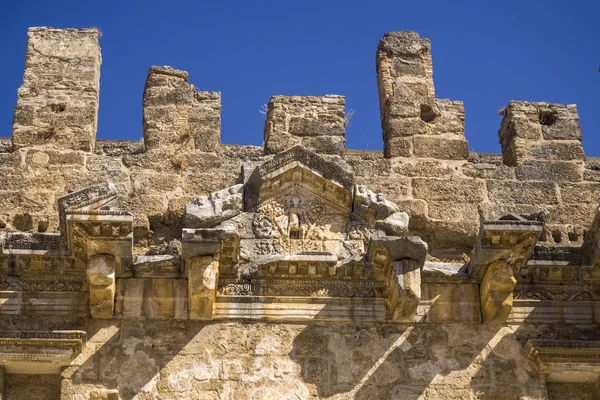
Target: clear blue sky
{"points": [[484, 53]]}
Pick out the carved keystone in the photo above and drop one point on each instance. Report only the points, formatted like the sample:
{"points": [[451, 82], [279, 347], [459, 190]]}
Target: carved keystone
{"points": [[502, 249], [203, 275], [401, 259]]}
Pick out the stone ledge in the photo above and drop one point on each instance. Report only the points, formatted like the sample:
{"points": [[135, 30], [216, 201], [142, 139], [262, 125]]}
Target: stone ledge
{"points": [[565, 360], [36, 352]]}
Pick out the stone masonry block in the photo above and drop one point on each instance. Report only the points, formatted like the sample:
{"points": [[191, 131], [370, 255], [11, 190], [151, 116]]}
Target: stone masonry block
{"points": [[550, 171], [57, 102], [522, 192], [457, 190], [441, 148], [577, 193], [556, 150], [398, 147]]}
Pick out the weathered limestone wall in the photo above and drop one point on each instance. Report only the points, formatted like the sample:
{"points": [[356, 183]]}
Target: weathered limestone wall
{"points": [[154, 350], [425, 167], [181, 360]]}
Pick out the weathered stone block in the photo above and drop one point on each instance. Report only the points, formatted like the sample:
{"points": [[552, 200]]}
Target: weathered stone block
{"points": [[564, 129], [454, 190], [579, 193], [555, 150], [423, 168], [398, 147], [317, 123], [550, 171], [441, 148], [58, 99], [522, 192], [489, 171], [401, 127]]}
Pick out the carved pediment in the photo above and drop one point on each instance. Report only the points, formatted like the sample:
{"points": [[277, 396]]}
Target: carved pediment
{"points": [[303, 232], [297, 168]]}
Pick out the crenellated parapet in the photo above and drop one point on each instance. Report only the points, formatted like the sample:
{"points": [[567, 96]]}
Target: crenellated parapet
{"points": [[177, 115], [316, 122]]}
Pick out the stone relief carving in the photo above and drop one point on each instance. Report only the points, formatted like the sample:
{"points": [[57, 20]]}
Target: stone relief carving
{"points": [[295, 225], [208, 211]]}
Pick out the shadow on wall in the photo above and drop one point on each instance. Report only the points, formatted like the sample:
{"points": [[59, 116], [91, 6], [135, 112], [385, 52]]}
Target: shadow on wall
{"points": [[128, 356], [415, 361], [258, 360]]}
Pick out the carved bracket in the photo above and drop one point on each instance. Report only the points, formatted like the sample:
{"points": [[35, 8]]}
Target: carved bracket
{"points": [[99, 236], [401, 260], [205, 251], [502, 249]]}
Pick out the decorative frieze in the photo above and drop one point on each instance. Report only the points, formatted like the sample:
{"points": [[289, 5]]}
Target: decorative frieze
{"points": [[565, 360], [39, 351]]}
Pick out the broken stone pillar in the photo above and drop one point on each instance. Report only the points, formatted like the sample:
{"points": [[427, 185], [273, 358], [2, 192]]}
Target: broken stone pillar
{"points": [[58, 100], [542, 140], [176, 115], [101, 275], [203, 275], [405, 290], [414, 122], [316, 122]]}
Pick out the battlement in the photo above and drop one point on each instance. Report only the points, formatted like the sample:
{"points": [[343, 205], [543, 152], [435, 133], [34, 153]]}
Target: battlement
{"points": [[425, 166]]}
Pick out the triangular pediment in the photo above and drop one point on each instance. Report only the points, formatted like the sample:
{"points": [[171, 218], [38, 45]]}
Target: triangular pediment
{"points": [[300, 172]]}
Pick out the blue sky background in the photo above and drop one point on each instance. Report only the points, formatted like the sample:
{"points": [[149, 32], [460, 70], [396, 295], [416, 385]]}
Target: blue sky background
{"points": [[484, 53]]}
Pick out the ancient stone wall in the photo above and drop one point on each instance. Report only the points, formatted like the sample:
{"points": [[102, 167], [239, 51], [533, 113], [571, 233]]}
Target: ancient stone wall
{"points": [[147, 345], [425, 167]]}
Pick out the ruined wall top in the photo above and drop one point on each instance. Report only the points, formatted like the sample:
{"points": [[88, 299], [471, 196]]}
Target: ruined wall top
{"points": [[426, 166]]}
